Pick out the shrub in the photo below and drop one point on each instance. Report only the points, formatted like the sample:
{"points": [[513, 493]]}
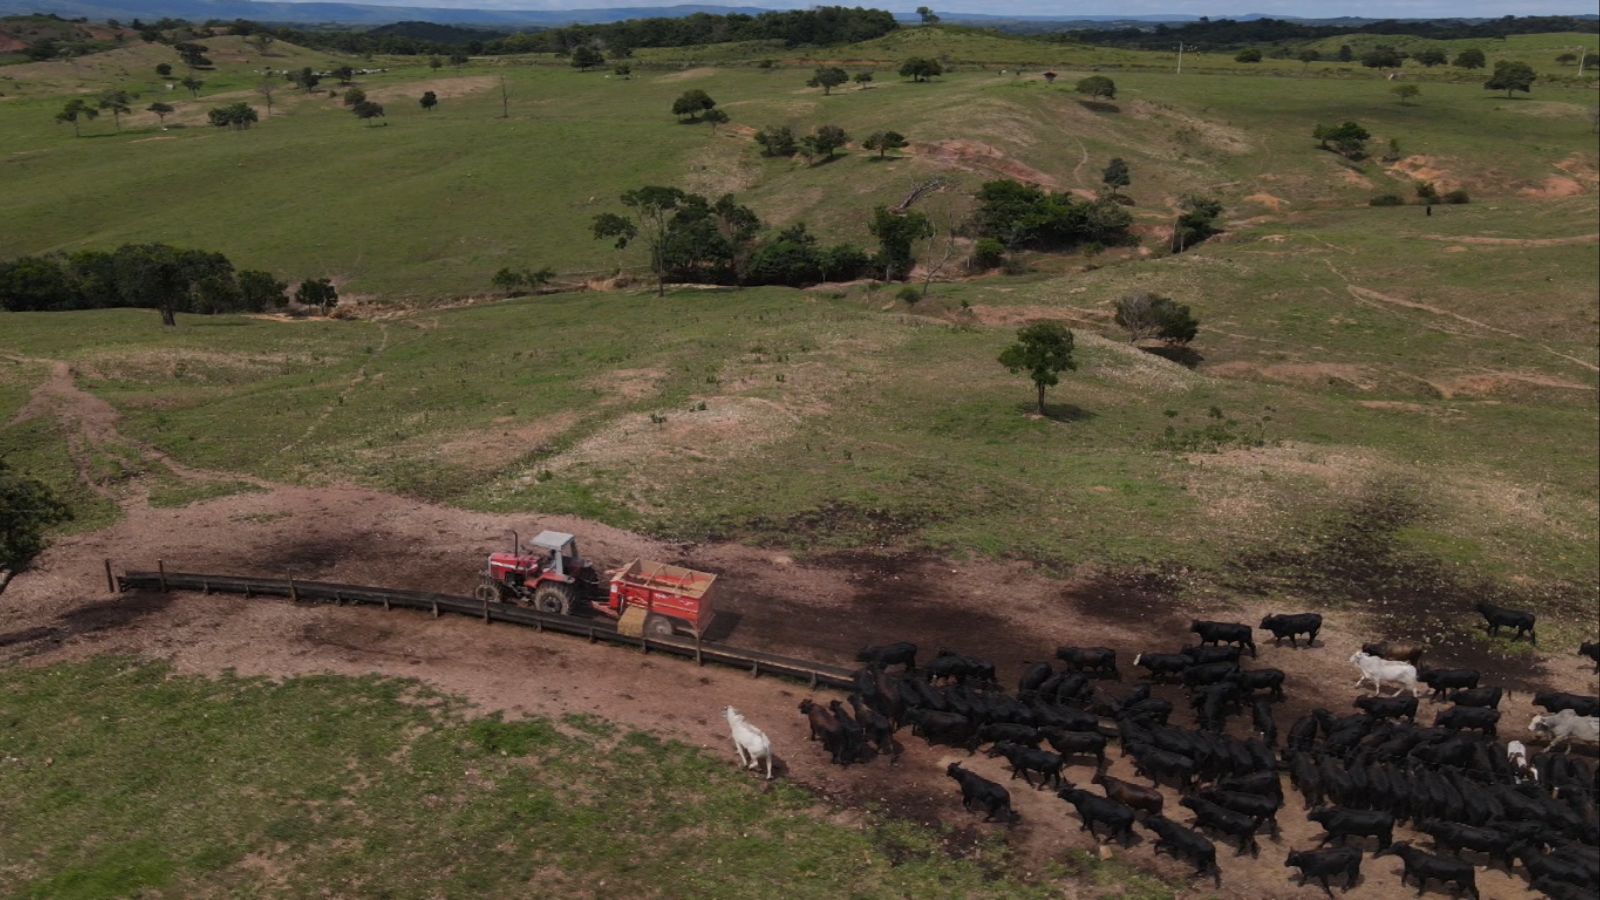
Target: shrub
{"points": [[987, 254], [1457, 196], [1387, 200], [1247, 56], [909, 294]]}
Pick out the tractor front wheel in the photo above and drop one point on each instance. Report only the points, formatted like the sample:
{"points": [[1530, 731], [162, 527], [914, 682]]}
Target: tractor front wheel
{"points": [[555, 598], [488, 592], [658, 627]]}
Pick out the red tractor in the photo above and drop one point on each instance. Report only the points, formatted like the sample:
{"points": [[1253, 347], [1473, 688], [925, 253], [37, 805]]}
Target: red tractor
{"points": [[655, 598]]}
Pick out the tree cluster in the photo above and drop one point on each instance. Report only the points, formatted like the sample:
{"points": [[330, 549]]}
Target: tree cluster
{"points": [[28, 509], [237, 116], [145, 276], [1146, 315], [1196, 222], [1231, 34], [1348, 140], [919, 68], [1020, 215]]}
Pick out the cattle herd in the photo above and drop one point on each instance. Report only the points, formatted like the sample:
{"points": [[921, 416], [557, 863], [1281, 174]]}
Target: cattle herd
{"points": [[1480, 799]]}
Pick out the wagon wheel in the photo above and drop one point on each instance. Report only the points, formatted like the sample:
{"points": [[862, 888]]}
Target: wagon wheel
{"points": [[658, 627], [555, 598], [488, 592]]}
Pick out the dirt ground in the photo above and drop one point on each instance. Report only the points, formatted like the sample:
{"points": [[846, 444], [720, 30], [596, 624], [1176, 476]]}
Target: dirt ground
{"points": [[823, 608]]}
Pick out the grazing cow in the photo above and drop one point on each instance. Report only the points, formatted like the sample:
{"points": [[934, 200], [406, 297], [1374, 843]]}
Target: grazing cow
{"points": [[1378, 671], [1320, 864], [1101, 660], [1225, 821], [1498, 617], [1591, 649], [883, 655], [1425, 867], [1341, 823], [1487, 697], [1388, 707], [1252, 680], [1565, 727], [1455, 837], [749, 741], [1200, 654], [1291, 626], [1225, 633], [1474, 717], [978, 791], [1073, 743], [1441, 680], [1162, 666], [1398, 651], [1026, 759], [1095, 810], [1556, 701], [1185, 843], [1261, 718], [1134, 796], [1263, 809]]}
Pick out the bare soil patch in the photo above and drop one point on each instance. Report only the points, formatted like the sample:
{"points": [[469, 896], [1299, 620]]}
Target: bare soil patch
{"points": [[1425, 168], [686, 75], [1554, 187], [1276, 204], [976, 156], [491, 449], [1488, 384], [443, 88], [1356, 376]]}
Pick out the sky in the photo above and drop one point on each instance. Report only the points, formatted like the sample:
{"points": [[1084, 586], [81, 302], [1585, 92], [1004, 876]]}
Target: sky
{"points": [[1068, 8]]}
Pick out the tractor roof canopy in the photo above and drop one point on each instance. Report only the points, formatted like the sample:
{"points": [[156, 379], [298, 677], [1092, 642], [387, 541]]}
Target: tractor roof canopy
{"points": [[559, 541]]}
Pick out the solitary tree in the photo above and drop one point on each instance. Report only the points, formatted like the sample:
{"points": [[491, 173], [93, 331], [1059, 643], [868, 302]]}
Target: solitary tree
{"points": [[863, 78], [928, 15], [317, 292], [1566, 59], [1405, 92], [919, 68], [1248, 55], [163, 69], [367, 110], [884, 141], [691, 104], [28, 509], [824, 142], [715, 117], [261, 41], [1116, 176], [435, 63], [1345, 53], [429, 100], [267, 88], [653, 208], [459, 59], [1043, 350], [1511, 76], [1471, 59], [345, 74], [1432, 56], [306, 79], [777, 140], [1098, 86], [161, 110], [896, 233], [1195, 223], [1382, 58], [192, 85], [585, 58], [1308, 56], [827, 78], [77, 110], [354, 95], [1147, 315], [117, 103], [623, 71], [1348, 140]]}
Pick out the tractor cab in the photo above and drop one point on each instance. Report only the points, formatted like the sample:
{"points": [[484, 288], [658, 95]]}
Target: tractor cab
{"points": [[546, 572], [561, 553]]}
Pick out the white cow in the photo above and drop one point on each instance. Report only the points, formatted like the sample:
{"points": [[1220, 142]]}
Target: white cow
{"points": [[1565, 727], [1517, 756], [1378, 670], [749, 741]]}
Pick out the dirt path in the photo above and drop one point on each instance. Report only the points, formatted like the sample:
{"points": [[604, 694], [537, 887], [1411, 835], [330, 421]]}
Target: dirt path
{"points": [[355, 381]]}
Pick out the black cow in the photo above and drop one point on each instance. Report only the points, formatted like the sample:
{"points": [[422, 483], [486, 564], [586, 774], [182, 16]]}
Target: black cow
{"points": [[1200, 654], [1341, 823], [1425, 866], [1474, 717], [978, 791], [1252, 680], [951, 665], [1094, 810], [1441, 680], [1263, 809], [1185, 843], [1073, 743], [1034, 677], [1264, 783], [1591, 649], [1388, 707], [1498, 617], [995, 732], [1026, 759], [1134, 796], [1102, 660], [1163, 665], [1157, 764], [1320, 864], [1225, 821], [1225, 633], [1261, 718], [1455, 837], [952, 729], [1556, 701], [879, 727], [899, 653], [1488, 697], [1208, 673], [1290, 626]]}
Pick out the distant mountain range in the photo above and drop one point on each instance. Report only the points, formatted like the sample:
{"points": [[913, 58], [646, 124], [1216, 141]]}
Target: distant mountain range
{"points": [[371, 15]]}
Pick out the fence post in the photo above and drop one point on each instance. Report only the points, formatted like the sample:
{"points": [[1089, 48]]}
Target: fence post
{"points": [[385, 602], [485, 612], [436, 607], [294, 592], [111, 583], [697, 660]]}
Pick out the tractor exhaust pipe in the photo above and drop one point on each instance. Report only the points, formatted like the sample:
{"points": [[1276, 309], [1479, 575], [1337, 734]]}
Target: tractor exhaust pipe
{"points": [[516, 544]]}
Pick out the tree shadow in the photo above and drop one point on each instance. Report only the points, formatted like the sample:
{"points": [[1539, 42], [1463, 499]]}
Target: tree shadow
{"points": [[822, 161], [1058, 412], [884, 159], [1184, 356], [1099, 106]]}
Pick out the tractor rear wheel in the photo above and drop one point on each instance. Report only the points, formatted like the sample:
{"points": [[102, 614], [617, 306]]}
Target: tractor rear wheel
{"points": [[488, 592], [555, 598], [658, 627]]}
